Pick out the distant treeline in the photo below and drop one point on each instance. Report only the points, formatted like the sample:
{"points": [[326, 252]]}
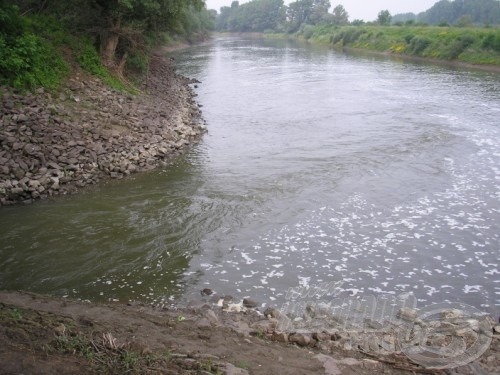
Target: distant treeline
{"points": [[274, 15], [458, 12]]}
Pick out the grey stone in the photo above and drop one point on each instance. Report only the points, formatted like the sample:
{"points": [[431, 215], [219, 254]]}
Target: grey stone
{"points": [[249, 303], [212, 317], [18, 173], [279, 336], [408, 314], [231, 369], [299, 339], [203, 324], [53, 165]]}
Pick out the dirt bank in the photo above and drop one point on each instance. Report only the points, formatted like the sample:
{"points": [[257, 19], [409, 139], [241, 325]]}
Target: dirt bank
{"points": [[54, 144], [46, 335]]}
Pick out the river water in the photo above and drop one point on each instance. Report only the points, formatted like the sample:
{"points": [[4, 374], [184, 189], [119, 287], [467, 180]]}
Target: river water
{"points": [[318, 167]]}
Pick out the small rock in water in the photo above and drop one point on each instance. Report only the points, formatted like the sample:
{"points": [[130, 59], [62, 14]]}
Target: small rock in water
{"points": [[407, 314], [207, 292], [248, 303]]}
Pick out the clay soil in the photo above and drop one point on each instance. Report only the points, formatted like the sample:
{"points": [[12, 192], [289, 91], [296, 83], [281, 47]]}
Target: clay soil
{"points": [[47, 335]]}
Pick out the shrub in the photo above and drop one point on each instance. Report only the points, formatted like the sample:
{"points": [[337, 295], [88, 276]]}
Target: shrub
{"points": [[138, 62], [307, 32], [29, 62], [88, 58], [491, 41], [408, 38], [458, 46], [26, 60], [353, 35], [419, 44]]}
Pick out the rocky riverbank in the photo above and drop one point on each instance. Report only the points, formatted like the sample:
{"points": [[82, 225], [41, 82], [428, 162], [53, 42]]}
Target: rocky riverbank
{"points": [[47, 335], [54, 144]]}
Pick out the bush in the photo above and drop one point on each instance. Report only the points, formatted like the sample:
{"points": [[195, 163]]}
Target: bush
{"points": [[419, 44], [353, 35], [408, 38], [456, 48], [347, 36], [29, 62], [307, 32], [138, 62], [491, 41], [88, 58]]}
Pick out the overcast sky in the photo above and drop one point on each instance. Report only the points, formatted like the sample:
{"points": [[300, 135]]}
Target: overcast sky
{"points": [[358, 9]]}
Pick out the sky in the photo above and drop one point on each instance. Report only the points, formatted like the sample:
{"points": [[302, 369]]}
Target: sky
{"points": [[358, 9]]}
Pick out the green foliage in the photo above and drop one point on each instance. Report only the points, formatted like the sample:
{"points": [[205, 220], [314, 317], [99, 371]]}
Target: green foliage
{"points": [[89, 60], [27, 60], [418, 44], [348, 35], [11, 24], [16, 314], [256, 15], [73, 344], [138, 62], [340, 16], [491, 42], [384, 18]]}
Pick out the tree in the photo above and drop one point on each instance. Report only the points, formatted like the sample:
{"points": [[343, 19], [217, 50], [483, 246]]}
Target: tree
{"points": [[357, 22], [384, 18], [340, 16], [319, 12], [311, 12], [464, 21], [480, 11], [128, 19]]}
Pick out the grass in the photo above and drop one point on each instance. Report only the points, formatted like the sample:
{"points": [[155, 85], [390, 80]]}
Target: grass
{"points": [[106, 356], [16, 314], [469, 45], [242, 364]]}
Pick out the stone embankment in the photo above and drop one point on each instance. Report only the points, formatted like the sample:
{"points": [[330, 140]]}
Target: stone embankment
{"points": [[54, 144]]}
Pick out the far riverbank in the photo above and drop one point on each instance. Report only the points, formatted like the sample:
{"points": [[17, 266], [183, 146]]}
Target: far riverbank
{"points": [[476, 48]]}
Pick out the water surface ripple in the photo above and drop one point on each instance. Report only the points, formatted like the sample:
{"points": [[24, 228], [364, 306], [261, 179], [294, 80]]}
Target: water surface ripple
{"points": [[318, 166]]}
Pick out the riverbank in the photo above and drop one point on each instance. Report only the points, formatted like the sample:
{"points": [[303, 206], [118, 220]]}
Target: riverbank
{"points": [[42, 334], [474, 48], [477, 47], [55, 144]]}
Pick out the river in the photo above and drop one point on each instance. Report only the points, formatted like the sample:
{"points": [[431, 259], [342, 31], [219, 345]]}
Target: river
{"points": [[319, 166]]}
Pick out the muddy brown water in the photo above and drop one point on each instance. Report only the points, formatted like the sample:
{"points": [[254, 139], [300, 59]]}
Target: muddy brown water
{"points": [[318, 167]]}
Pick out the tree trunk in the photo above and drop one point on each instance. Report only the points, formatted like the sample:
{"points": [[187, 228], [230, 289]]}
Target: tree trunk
{"points": [[121, 64], [110, 42]]}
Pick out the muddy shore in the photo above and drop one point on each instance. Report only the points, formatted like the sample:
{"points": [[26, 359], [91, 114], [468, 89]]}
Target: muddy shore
{"points": [[55, 144], [48, 335]]}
